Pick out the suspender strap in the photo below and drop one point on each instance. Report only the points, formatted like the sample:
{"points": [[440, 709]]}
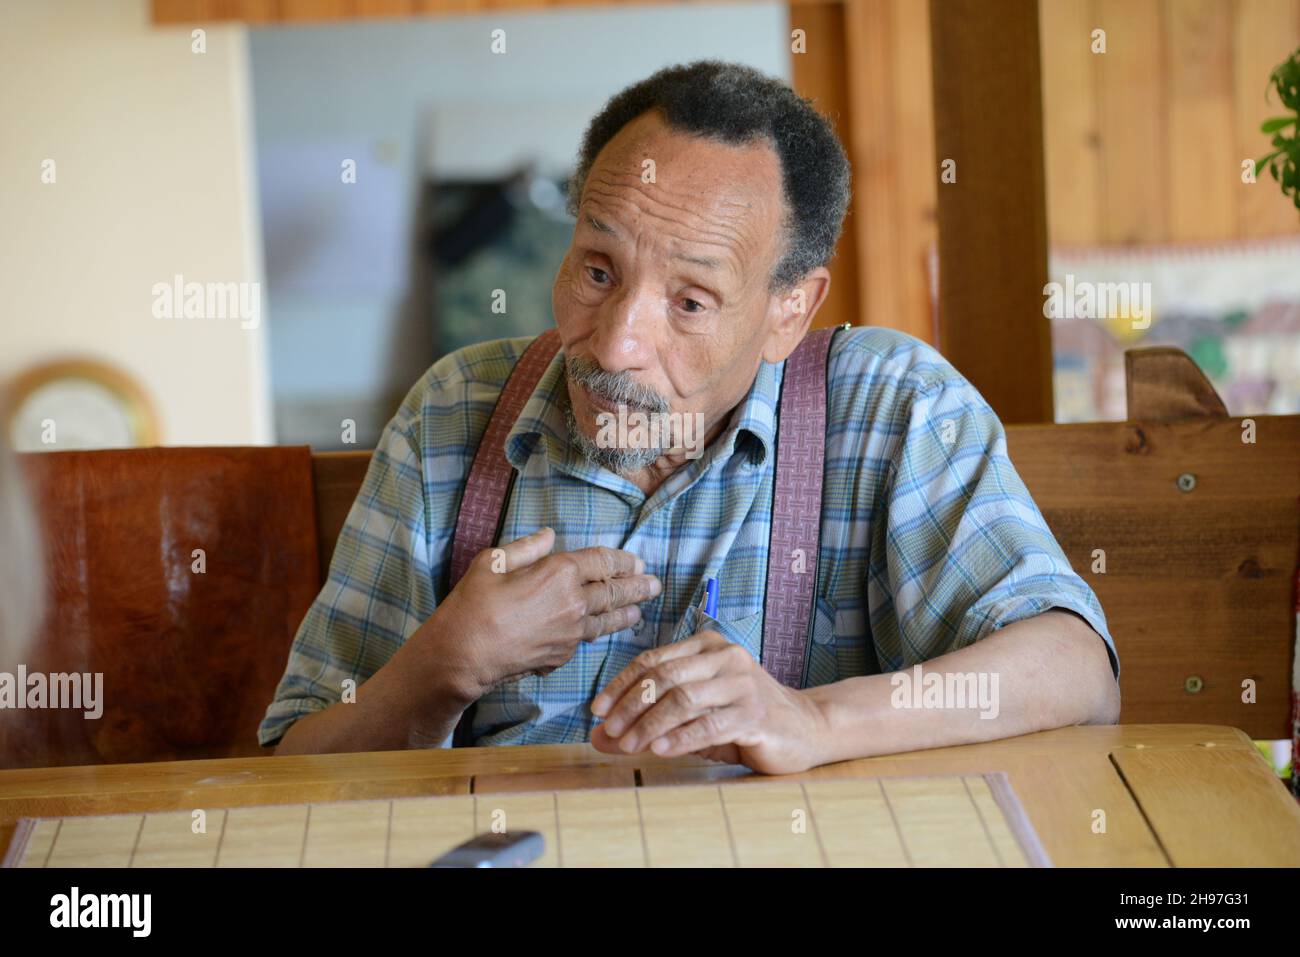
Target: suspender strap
{"points": [[796, 510], [483, 503]]}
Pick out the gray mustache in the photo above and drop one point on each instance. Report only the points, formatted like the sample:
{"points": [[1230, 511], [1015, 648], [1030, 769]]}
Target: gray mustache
{"points": [[614, 387]]}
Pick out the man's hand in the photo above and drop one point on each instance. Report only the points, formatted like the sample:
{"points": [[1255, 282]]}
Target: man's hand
{"points": [[520, 610], [708, 696]]}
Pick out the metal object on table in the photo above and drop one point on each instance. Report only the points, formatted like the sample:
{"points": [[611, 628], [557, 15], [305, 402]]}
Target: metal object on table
{"points": [[517, 849]]}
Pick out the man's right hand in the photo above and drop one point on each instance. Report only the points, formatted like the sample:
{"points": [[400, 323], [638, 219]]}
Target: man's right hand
{"points": [[521, 610], [527, 616]]}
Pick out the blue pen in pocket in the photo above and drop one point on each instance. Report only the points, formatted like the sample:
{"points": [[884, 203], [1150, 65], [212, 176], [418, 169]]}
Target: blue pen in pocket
{"points": [[709, 606]]}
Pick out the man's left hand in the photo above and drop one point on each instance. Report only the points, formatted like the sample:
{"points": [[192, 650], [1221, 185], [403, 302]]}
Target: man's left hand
{"points": [[708, 696]]}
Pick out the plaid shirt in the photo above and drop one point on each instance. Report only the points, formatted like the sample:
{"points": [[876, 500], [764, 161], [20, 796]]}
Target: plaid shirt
{"points": [[930, 540]]}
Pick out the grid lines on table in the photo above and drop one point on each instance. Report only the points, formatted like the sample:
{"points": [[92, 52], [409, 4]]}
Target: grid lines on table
{"points": [[892, 822]]}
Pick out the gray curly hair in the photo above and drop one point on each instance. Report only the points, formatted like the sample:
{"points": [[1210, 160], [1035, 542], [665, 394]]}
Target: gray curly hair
{"points": [[737, 104]]}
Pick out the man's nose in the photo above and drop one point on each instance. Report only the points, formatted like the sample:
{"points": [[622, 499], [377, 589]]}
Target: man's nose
{"points": [[625, 330]]}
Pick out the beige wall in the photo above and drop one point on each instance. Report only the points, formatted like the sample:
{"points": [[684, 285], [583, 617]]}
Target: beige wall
{"points": [[152, 146]]}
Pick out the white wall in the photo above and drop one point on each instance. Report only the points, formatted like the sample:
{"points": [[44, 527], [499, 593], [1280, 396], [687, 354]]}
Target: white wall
{"points": [[152, 145]]}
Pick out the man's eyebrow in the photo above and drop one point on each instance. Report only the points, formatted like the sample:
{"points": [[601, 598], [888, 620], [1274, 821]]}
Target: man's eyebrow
{"points": [[704, 261], [699, 260], [600, 226]]}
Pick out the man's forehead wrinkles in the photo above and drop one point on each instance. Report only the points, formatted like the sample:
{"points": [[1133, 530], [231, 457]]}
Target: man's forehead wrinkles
{"points": [[706, 232], [706, 262], [729, 204], [725, 262]]}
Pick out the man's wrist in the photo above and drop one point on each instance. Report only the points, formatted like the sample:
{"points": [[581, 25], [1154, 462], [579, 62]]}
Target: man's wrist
{"points": [[432, 686], [820, 743], [842, 711]]}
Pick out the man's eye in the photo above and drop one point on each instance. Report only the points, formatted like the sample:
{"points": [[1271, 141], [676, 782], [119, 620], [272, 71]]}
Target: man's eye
{"points": [[593, 270], [691, 302]]}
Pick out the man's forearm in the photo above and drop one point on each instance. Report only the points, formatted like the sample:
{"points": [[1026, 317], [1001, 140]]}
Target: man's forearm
{"points": [[390, 713], [1051, 670]]}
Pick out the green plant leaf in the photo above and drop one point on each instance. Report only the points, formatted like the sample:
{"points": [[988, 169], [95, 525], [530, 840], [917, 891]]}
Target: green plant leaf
{"points": [[1284, 162]]}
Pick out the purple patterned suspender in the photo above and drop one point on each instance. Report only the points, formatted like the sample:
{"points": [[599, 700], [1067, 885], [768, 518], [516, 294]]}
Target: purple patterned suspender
{"points": [[489, 476], [796, 510], [797, 496]]}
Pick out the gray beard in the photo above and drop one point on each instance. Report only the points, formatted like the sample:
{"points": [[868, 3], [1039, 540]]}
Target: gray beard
{"points": [[619, 461]]}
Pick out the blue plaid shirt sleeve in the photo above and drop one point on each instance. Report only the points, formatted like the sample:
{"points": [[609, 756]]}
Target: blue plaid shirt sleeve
{"points": [[967, 550], [379, 590]]}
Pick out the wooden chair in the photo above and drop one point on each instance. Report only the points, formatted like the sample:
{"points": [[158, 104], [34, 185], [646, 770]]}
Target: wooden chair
{"points": [[1186, 523], [180, 575]]}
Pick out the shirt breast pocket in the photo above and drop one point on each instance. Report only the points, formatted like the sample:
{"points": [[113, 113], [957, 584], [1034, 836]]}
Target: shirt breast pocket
{"points": [[746, 632], [822, 663], [855, 655], [840, 646]]}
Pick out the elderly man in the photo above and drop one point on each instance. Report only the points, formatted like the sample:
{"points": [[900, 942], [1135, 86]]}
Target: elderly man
{"points": [[709, 199]]}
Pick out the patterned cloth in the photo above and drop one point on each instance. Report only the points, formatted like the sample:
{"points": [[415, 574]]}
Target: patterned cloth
{"points": [[930, 540]]}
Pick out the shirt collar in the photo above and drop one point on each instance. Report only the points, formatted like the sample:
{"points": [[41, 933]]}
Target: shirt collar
{"points": [[752, 428]]}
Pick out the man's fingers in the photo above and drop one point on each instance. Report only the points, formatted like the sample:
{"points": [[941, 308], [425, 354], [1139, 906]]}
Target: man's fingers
{"points": [[665, 677], [598, 563], [522, 552], [643, 662], [680, 706], [594, 626], [714, 731], [614, 593]]}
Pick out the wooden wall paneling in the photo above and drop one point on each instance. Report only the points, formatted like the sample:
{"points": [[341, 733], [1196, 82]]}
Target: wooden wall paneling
{"points": [[891, 147], [385, 8], [301, 10], [821, 73], [1264, 34], [871, 151], [1203, 172], [992, 220], [915, 182], [187, 11], [247, 11], [1135, 160], [1071, 131]]}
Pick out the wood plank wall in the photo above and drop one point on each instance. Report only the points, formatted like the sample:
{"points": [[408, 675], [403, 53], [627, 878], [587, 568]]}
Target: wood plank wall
{"points": [[992, 212], [1145, 141], [819, 65]]}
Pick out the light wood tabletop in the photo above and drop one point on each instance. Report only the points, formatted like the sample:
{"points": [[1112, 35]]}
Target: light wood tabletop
{"points": [[1135, 795]]}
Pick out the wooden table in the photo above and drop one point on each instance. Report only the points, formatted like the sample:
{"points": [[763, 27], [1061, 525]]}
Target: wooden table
{"points": [[1169, 795]]}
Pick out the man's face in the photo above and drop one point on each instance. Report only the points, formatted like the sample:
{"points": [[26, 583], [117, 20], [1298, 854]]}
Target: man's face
{"points": [[662, 300]]}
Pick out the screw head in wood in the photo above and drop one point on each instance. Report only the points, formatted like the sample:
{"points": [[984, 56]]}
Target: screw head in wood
{"points": [[1193, 684], [1186, 482]]}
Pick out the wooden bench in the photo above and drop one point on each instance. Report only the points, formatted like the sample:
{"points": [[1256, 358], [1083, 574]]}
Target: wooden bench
{"points": [[1188, 534]]}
